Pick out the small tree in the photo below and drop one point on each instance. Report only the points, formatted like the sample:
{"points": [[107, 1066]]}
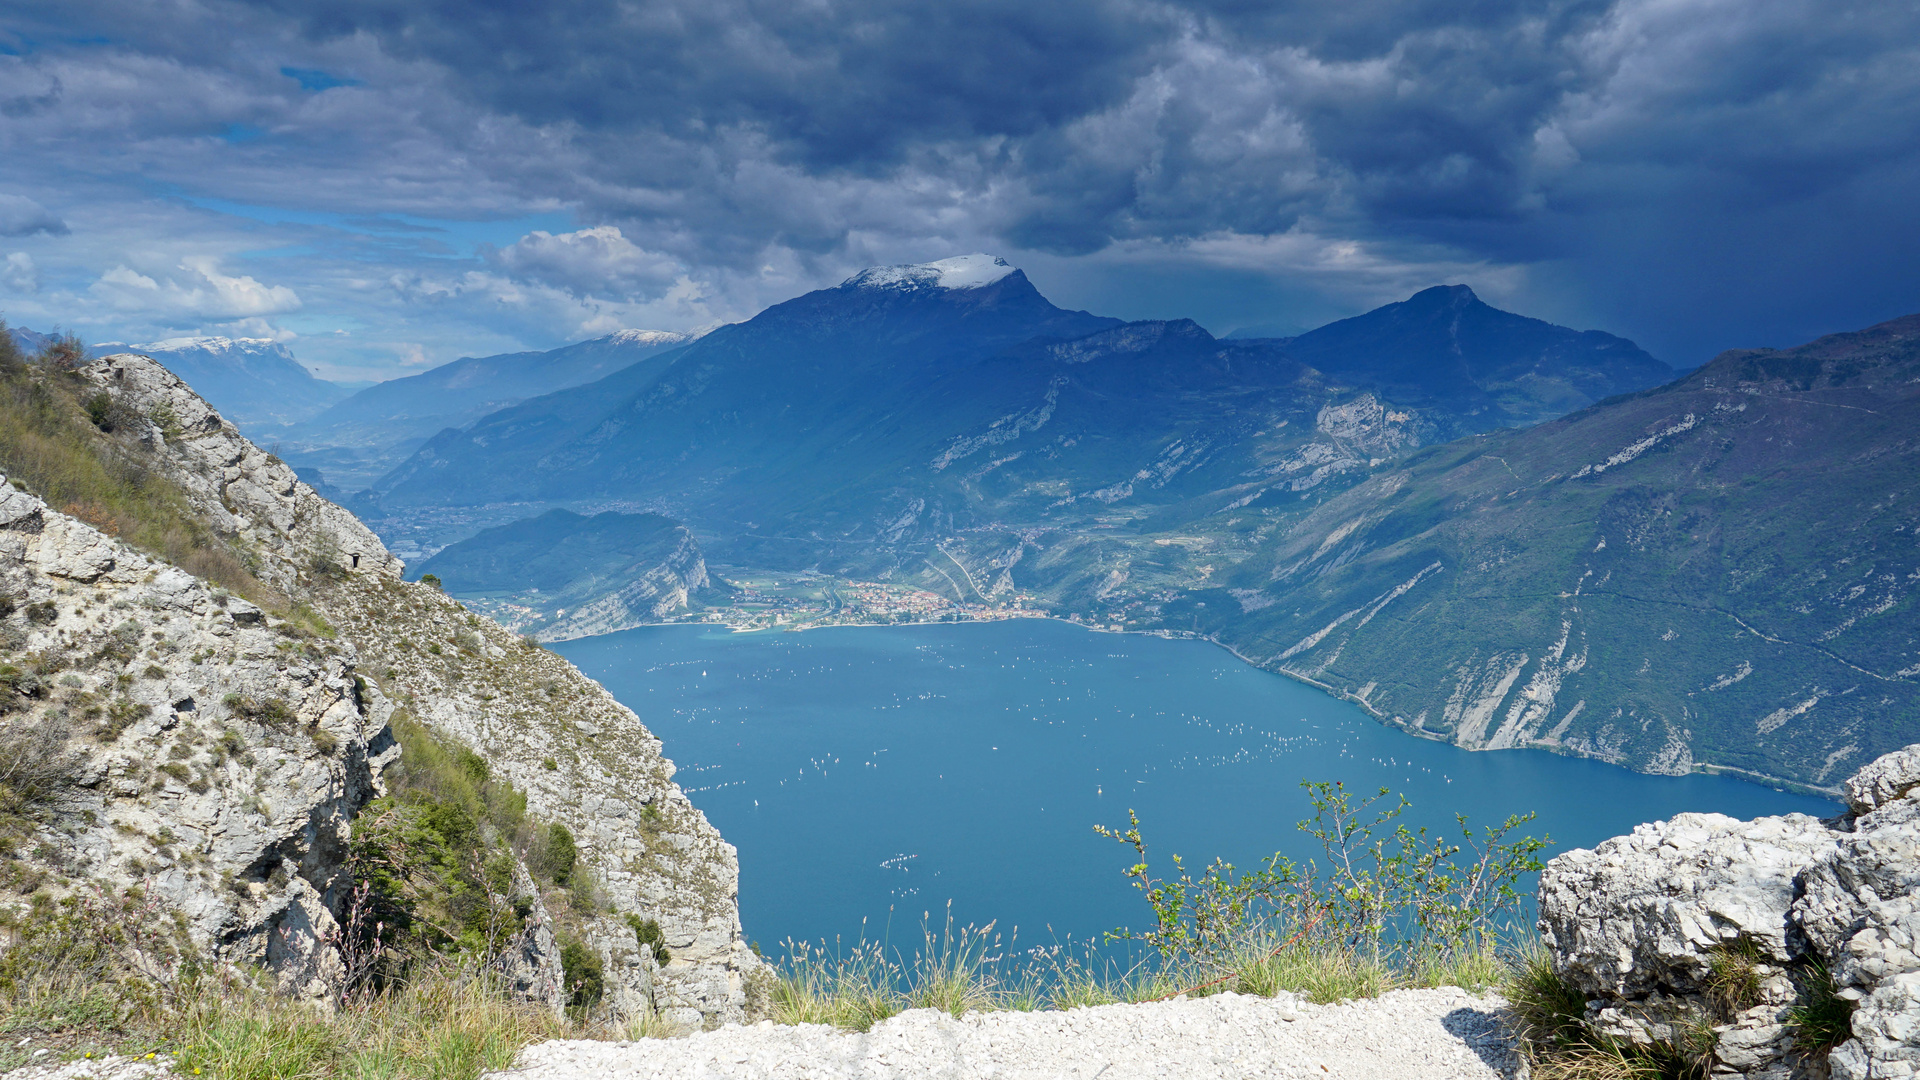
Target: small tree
{"points": [[64, 353]]}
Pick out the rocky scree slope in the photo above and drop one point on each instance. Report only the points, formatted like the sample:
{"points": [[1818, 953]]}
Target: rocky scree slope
{"points": [[1646, 928], [411, 648]]}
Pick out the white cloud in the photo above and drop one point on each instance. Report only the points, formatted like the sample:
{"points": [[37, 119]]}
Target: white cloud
{"points": [[20, 274], [195, 287], [257, 328], [596, 262]]}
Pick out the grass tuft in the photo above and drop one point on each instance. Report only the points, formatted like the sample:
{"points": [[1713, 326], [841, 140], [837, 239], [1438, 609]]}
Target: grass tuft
{"points": [[1822, 1019]]}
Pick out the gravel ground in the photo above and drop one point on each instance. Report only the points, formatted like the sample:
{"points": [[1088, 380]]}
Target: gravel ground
{"points": [[1445, 1034], [100, 1068]]}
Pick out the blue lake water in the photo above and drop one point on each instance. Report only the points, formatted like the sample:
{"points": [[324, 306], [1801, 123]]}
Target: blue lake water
{"points": [[878, 773]]}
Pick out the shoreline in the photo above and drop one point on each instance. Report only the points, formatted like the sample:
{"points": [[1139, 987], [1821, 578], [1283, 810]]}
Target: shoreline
{"points": [[1792, 787]]}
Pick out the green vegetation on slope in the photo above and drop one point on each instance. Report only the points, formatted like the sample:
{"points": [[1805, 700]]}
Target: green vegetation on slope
{"points": [[77, 452], [436, 909]]}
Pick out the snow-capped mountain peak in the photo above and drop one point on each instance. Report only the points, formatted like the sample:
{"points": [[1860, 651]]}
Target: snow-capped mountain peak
{"points": [[214, 345], [648, 337], [960, 272]]}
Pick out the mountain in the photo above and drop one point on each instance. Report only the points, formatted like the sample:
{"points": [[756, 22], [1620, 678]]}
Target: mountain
{"points": [[29, 342], [838, 412], [1716, 574], [1444, 348], [795, 382], [562, 575], [358, 439], [255, 382]]}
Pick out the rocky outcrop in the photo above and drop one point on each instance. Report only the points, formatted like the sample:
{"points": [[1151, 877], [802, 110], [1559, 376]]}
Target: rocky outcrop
{"points": [[587, 761], [205, 751], [242, 491], [1746, 923], [581, 757]]}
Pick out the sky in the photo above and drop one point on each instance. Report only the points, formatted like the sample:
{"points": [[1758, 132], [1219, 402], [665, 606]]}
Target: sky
{"points": [[386, 185]]}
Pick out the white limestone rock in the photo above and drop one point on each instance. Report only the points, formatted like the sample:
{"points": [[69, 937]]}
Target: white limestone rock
{"points": [[234, 817], [239, 489], [654, 854], [1634, 924]]}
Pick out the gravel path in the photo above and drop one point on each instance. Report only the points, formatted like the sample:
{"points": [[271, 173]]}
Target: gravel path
{"points": [[1445, 1034]]}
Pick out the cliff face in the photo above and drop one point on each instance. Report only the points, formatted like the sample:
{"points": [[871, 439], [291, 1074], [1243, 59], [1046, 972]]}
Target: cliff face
{"points": [[229, 750], [204, 750]]}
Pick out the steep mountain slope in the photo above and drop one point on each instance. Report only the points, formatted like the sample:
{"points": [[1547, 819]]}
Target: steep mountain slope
{"points": [[357, 440], [133, 756], [789, 385], [255, 382], [1719, 572], [252, 757], [561, 575]]}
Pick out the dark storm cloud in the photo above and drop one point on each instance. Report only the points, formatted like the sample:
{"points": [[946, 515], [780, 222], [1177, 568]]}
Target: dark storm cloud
{"points": [[848, 85], [1696, 173]]}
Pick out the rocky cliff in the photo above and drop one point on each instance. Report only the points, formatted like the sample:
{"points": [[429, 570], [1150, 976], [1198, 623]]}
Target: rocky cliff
{"points": [[222, 752], [184, 741], [1756, 930]]}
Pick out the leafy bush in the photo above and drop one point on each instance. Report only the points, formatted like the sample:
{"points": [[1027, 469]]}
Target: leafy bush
{"points": [[584, 979], [1402, 898], [98, 951], [561, 856], [647, 932]]}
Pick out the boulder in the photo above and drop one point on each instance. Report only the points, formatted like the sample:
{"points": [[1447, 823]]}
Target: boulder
{"points": [[1640, 923]]}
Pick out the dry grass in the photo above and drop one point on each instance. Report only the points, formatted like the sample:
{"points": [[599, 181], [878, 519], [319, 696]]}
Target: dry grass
{"points": [[51, 445], [449, 1023], [972, 970]]}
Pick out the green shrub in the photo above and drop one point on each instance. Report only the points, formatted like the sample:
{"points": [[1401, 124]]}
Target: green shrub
{"points": [[584, 979], [269, 712], [648, 933], [561, 855], [1403, 897]]}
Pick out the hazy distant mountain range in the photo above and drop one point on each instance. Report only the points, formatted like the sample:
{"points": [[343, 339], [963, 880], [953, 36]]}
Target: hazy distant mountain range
{"points": [[894, 406], [255, 382], [359, 438], [1483, 527]]}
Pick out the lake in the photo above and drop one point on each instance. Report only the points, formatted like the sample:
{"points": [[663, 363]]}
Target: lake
{"points": [[877, 773]]}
